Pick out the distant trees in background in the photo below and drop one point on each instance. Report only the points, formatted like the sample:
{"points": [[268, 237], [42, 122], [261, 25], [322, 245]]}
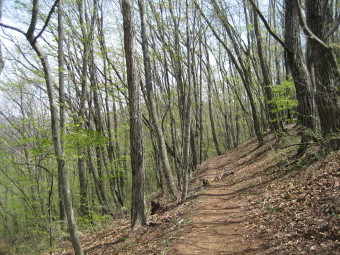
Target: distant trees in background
{"points": [[130, 112]]}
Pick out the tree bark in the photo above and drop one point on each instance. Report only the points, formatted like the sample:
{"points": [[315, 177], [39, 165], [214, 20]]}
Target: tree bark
{"points": [[171, 187], [326, 70], [99, 191], [211, 117], [111, 150], [239, 62], [56, 124], [299, 70], [187, 118], [1, 57], [273, 117], [59, 141], [138, 206], [84, 210]]}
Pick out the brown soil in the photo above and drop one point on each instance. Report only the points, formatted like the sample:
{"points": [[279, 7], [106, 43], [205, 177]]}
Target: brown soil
{"points": [[221, 218], [245, 209]]}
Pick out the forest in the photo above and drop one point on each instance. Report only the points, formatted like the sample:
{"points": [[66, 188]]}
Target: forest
{"points": [[106, 105]]}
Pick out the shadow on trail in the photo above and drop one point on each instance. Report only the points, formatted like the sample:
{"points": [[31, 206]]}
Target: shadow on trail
{"points": [[236, 164], [104, 245], [203, 247], [225, 208], [253, 158], [214, 195], [223, 222]]}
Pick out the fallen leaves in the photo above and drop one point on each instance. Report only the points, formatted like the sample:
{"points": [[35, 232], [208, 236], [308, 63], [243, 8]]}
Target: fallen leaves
{"points": [[300, 213], [296, 210]]}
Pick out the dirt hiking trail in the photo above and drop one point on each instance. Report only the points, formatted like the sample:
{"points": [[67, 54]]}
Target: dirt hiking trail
{"points": [[258, 201], [221, 219]]}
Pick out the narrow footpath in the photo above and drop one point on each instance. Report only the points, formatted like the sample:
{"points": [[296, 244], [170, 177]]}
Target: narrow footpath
{"points": [[249, 201], [222, 217]]}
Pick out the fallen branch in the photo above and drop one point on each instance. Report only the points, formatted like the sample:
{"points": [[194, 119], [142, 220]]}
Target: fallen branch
{"points": [[223, 174]]}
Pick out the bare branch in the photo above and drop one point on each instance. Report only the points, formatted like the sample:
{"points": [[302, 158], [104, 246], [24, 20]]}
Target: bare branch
{"points": [[12, 28], [271, 32], [230, 53], [316, 39], [47, 20], [333, 28], [306, 29], [37, 165], [35, 11]]}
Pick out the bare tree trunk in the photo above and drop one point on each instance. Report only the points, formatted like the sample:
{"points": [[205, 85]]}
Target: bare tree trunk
{"points": [[195, 126], [99, 191], [174, 57], [194, 150], [86, 42], [57, 125], [1, 57], [239, 62], [157, 159], [299, 70], [120, 179], [187, 118], [211, 117], [84, 210], [99, 126], [200, 104], [111, 150], [326, 69], [138, 205], [273, 118], [59, 145], [152, 107]]}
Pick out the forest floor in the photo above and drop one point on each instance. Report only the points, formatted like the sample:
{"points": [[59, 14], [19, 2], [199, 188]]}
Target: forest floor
{"points": [[258, 201]]}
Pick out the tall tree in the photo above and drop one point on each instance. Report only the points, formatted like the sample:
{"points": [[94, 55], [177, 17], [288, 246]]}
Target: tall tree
{"points": [[210, 98], [59, 128], [56, 122], [274, 122], [238, 59], [111, 130], [319, 28], [152, 105], [187, 114], [138, 205], [1, 57], [298, 68]]}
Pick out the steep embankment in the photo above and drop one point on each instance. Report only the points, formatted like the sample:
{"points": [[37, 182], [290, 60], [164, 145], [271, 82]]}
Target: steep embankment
{"points": [[258, 201]]}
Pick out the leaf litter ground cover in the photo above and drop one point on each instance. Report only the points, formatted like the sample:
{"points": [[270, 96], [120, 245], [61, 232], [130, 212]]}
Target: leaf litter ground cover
{"points": [[258, 201]]}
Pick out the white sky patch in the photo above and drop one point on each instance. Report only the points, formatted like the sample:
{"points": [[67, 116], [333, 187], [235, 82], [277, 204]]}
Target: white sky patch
{"points": [[11, 16]]}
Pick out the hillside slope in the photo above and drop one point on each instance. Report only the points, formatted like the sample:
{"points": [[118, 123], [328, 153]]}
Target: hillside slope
{"points": [[258, 201]]}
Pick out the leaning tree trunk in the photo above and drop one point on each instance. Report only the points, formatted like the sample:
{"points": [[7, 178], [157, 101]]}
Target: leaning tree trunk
{"points": [[187, 120], [272, 110], [138, 206], [171, 187], [326, 69], [58, 135], [211, 117], [299, 71], [239, 61], [57, 125]]}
